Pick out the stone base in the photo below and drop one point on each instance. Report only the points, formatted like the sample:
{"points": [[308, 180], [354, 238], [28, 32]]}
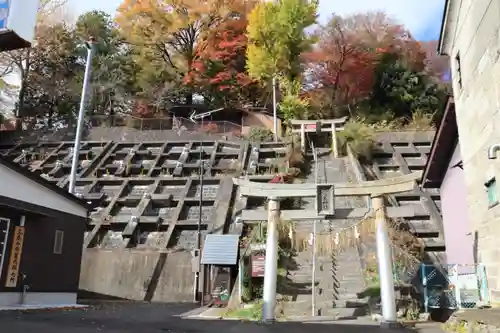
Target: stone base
{"points": [[268, 321], [391, 325]]}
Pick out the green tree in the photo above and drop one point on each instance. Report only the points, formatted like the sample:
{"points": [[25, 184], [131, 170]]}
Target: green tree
{"points": [[400, 92], [277, 38], [51, 92], [113, 80]]}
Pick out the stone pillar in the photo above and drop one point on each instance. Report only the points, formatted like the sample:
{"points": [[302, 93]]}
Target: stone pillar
{"points": [[303, 137], [271, 263], [384, 259], [334, 141]]}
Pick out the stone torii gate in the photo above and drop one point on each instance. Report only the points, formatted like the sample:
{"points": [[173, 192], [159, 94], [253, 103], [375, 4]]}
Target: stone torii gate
{"points": [[318, 126], [325, 209]]}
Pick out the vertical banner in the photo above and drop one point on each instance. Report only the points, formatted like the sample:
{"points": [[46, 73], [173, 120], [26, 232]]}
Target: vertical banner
{"points": [[4, 13], [15, 257]]}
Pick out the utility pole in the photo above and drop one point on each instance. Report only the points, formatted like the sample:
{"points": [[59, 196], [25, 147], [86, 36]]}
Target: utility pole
{"points": [[275, 111], [313, 286], [199, 290], [90, 45]]}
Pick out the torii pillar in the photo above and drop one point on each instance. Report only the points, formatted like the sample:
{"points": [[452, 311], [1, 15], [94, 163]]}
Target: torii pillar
{"points": [[324, 194]]}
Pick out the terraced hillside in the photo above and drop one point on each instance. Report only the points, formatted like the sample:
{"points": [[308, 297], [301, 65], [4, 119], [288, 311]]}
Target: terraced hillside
{"points": [[146, 195], [146, 202], [400, 154]]}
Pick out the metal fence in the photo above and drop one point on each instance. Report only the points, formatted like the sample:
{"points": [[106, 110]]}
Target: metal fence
{"points": [[160, 123], [207, 126], [167, 123], [463, 286]]}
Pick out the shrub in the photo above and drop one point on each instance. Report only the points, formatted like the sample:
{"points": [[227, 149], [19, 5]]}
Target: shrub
{"points": [[421, 121], [260, 134], [359, 136]]}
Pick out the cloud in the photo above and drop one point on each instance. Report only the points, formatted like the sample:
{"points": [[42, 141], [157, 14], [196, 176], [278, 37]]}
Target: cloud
{"points": [[421, 17]]}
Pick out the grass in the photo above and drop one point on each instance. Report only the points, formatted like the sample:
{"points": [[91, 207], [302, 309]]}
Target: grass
{"points": [[250, 312], [370, 291]]}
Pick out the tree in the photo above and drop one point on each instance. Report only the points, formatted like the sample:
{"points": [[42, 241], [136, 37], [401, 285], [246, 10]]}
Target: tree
{"points": [[19, 61], [50, 89], [277, 38], [436, 65], [399, 91], [113, 70], [165, 35], [342, 64], [219, 71]]}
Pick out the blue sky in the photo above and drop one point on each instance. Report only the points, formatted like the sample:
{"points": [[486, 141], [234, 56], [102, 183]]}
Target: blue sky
{"points": [[422, 17]]}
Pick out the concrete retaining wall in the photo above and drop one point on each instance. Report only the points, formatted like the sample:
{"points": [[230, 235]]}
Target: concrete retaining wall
{"points": [[138, 275]]}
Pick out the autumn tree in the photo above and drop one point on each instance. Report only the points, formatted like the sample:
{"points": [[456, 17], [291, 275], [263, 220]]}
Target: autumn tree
{"points": [[51, 90], [436, 65], [277, 40], [165, 34], [219, 71], [19, 62], [341, 66]]}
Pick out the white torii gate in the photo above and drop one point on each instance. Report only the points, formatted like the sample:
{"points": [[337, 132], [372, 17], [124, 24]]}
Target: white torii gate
{"points": [[325, 209]]}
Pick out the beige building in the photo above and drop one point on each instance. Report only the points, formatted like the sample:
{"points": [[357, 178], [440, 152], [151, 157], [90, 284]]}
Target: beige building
{"points": [[470, 36]]}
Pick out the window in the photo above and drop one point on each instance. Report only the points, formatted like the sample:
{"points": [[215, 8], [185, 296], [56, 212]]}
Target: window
{"points": [[458, 70], [491, 190], [58, 242]]}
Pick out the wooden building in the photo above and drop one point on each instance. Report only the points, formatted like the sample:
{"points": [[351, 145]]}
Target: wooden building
{"points": [[41, 239]]}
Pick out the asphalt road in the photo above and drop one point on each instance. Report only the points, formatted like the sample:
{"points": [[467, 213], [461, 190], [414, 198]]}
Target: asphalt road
{"points": [[149, 318]]}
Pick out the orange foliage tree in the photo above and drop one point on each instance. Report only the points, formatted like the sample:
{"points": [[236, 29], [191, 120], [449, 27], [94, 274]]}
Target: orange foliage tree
{"points": [[168, 34], [219, 68]]}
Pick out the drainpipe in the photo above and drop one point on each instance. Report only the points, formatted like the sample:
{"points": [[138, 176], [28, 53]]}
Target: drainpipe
{"points": [[492, 151]]}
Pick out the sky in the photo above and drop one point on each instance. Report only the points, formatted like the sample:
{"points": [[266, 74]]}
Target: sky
{"points": [[422, 17]]}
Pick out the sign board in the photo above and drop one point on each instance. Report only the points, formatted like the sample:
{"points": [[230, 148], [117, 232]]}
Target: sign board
{"points": [[4, 13], [325, 199], [15, 258], [258, 264], [258, 247]]}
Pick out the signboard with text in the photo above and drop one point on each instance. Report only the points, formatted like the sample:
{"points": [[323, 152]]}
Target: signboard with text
{"points": [[15, 258], [258, 263]]}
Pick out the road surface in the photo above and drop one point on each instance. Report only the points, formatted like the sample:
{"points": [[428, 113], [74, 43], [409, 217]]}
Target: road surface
{"points": [[149, 318]]}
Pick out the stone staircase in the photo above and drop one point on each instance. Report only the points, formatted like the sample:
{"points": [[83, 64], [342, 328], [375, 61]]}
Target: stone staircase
{"points": [[338, 277]]}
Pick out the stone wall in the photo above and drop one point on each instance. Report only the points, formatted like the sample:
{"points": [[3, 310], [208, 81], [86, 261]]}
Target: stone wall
{"points": [[472, 41], [138, 275]]}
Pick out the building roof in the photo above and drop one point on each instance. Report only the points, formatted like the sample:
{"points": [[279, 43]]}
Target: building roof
{"points": [[220, 250], [442, 148], [35, 176], [443, 24]]}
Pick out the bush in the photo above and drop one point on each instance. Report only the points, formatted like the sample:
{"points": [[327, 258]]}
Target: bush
{"points": [[360, 137], [421, 121], [260, 134]]}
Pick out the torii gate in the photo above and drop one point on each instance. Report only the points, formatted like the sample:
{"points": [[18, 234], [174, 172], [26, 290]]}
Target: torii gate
{"points": [[325, 209]]}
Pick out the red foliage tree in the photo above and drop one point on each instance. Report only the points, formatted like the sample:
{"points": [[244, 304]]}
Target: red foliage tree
{"points": [[436, 65], [342, 65], [220, 64]]}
